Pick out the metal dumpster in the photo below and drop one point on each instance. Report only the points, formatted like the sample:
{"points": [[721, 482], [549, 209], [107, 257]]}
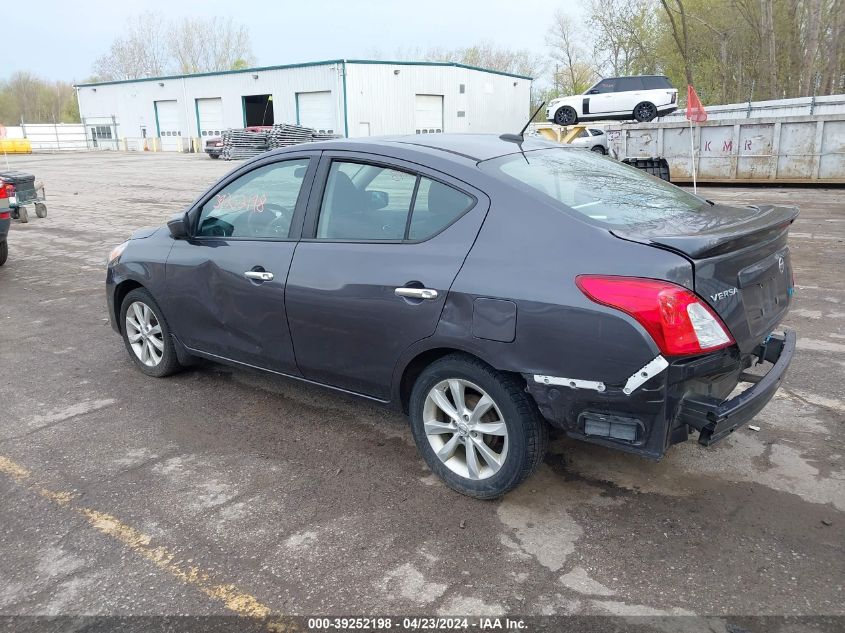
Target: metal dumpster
{"points": [[800, 149]]}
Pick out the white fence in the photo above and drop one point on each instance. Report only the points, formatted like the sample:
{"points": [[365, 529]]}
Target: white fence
{"points": [[51, 137]]}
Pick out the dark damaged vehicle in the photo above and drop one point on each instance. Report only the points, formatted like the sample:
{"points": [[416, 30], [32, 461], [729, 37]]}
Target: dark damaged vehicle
{"points": [[486, 286]]}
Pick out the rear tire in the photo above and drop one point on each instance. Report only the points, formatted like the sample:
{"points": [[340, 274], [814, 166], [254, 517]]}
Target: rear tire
{"points": [[566, 116], [4, 252], [598, 149], [214, 156], [23, 215], [147, 335], [41, 210], [645, 112], [493, 439]]}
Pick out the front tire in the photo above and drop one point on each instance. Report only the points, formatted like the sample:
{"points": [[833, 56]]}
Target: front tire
{"points": [[147, 335], [566, 116], [598, 149], [476, 427], [645, 112]]}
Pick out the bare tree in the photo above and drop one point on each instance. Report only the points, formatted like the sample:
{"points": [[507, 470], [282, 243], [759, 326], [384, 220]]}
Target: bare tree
{"points": [[25, 97], [482, 55], [141, 51], [767, 35], [680, 32], [625, 36], [151, 46], [811, 47], [574, 74], [210, 44]]}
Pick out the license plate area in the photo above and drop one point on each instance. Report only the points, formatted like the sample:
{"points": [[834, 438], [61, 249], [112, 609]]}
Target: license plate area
{"points": [[765, 291]]}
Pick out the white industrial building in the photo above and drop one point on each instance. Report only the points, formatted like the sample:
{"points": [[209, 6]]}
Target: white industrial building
{"points": [[351, 98]]}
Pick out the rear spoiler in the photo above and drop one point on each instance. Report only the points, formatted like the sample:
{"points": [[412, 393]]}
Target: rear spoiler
{"points": [[718, 232]]}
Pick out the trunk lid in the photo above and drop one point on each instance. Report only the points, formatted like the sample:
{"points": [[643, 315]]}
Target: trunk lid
{"points": [[740, 259]]}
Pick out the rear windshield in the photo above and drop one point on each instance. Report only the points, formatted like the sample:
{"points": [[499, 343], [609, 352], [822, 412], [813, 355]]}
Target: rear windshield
{"points": [[601, 189]]}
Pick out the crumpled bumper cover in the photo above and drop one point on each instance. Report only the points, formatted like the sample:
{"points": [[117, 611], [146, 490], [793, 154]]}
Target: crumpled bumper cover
{"points": [[668, 405], [716, 419]]}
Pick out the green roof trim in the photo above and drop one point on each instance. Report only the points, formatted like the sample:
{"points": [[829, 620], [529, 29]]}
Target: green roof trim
{"points": [[327, 62]]}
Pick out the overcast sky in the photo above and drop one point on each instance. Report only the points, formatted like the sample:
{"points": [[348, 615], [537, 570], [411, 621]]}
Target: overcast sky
{"points": [[65, 37]]}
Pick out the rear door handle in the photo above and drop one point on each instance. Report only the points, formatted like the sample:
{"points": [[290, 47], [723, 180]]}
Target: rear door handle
{"points": [[259, 275], [416, 293]]}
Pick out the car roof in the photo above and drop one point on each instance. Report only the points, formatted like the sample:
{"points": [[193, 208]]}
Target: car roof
{"points": [[632, 76], [474, 147]]}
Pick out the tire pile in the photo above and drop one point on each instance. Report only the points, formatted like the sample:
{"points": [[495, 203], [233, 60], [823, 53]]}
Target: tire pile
{"points": [[241, 144]]}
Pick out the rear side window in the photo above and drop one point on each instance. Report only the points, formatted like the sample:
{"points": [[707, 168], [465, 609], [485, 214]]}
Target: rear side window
{"points": [[374, 203], [603, 190], [436, 207], [656, 83], [365, 202], [627, 84], [596, 132]]}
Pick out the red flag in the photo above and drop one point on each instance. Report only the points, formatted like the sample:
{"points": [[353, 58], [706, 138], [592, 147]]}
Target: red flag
{"points": [[695, 111]]}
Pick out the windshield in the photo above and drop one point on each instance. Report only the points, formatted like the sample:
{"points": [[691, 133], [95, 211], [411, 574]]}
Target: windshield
{"points": [[599, 188]]}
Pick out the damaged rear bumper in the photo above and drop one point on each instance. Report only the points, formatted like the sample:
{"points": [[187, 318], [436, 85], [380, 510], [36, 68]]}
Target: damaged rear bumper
{"points": [[665, 401], [715, 420]]}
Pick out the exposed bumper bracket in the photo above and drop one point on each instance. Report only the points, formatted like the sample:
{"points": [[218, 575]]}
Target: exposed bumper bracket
{"points": [[572, 383], [647, 372]]}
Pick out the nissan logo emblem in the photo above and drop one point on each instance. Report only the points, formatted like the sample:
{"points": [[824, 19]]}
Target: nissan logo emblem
{"points": [[780, 264]]}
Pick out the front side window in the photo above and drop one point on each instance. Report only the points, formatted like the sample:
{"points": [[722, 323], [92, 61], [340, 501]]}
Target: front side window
{"points": [[259, 204], [373, 203], [605, 85], [605, 191]]}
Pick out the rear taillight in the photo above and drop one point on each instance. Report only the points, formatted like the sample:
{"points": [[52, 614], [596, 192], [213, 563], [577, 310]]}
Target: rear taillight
{"points": [[678, 321], [7, 190], [674, 97], [5, 215]]}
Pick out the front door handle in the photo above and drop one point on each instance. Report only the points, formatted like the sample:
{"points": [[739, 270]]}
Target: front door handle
{"points": [[416, 293], [259, 275]]}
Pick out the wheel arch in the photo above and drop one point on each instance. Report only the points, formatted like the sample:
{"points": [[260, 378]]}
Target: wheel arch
{"points": [[415, 365], [120, 291]]}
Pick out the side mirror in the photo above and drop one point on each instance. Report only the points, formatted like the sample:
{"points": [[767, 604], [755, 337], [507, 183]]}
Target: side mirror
{"points": [[178, 226], [593, 92], [378, 200]]}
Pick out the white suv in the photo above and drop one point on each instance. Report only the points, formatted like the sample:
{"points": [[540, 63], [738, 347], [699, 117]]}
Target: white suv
{"points": [[643, 98]]}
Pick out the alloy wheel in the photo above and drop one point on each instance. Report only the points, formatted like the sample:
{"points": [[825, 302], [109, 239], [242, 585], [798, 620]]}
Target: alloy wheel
{"points": [[143, 331], [646, 112], [465, 428]]}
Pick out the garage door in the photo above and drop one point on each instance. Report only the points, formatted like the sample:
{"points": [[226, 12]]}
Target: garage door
{"points": [[210, 116], [169, 125], [428, 113], [316, 110]]}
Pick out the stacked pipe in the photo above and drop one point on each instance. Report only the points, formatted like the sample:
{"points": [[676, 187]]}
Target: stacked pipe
{"points": [[240, 144], [285, 134]]}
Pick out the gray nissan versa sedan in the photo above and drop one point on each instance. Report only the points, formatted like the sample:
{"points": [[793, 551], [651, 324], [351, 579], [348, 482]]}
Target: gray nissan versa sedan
{"points": [[487, 286]]}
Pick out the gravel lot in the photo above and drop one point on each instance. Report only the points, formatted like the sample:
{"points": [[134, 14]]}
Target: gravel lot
{"points": [[220, 491]]}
